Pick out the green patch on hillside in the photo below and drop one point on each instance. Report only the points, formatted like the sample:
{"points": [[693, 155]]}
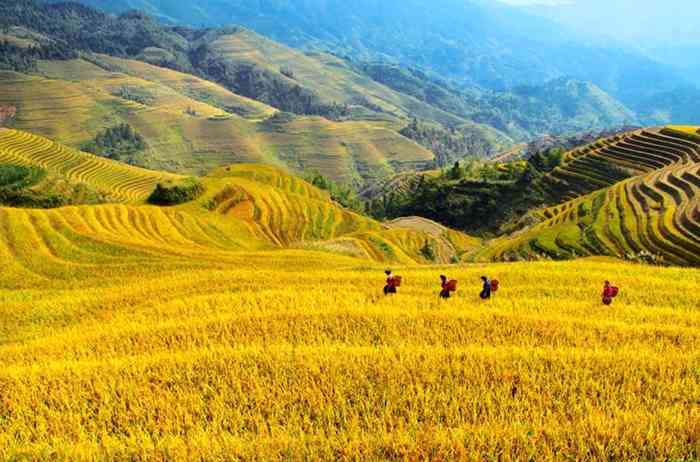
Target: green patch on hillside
{"points": [[450, 144], [19, 176], [121, 143], [32, 187], [176, 192], [474, 196], [342, 194]]}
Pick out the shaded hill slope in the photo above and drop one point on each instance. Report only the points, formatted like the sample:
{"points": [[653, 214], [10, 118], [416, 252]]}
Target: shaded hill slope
{"points": [[476, 43]]}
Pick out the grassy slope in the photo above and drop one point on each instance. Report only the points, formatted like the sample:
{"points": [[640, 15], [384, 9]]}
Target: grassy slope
{"points": [[80, 99], [186, 85], [653, 214]]}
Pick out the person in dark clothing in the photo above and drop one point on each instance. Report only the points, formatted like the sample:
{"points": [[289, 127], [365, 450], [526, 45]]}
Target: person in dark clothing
{"points": [[390, 287], [486, 290], [445, 288]]}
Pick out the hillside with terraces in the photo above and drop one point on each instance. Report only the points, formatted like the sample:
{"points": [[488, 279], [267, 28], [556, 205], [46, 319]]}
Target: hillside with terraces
{"points": [[120, 182], [634, 196], [244, 207]]}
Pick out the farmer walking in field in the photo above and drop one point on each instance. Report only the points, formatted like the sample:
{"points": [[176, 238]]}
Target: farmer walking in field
{"points": [[609, 292], [447, 287], [486, 288], [392, 282]]}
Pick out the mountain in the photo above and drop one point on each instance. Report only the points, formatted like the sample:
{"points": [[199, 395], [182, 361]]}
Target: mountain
{"points": [[561, 105], [678, 56], [471, 42], [204, 98], [192, 126], [678, 104], [656, 24], [315, 83]]}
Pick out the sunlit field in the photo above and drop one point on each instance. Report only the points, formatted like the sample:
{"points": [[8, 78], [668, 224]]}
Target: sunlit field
{"points": [[293, 355]]}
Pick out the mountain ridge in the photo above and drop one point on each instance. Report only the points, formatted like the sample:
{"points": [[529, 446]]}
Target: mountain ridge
{"points": [[483, 44], [228, 74]]}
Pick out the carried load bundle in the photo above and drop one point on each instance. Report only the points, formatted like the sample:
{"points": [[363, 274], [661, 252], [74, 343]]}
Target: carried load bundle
{"points": [[451, 285], [494, 285]]}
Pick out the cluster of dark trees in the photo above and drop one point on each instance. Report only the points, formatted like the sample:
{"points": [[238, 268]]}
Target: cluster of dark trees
{"points": [[180, 192], [120, 143], [135, 95], [448, 144], [341, 194], [23, 59], [475, 197], [82, 28]]}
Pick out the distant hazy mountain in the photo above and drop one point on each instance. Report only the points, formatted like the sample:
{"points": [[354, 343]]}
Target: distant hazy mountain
{"points": [[471, 42], [471, 120], [667, 32], [646, 23]]}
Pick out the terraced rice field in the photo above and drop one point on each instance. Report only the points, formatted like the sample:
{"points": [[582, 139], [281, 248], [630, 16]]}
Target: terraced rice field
{"points": [[324, 74], [654, 213], [264, 205], [78, 99], [282, 210], [121, 182], [60, 110], [188, 85], [611, 160]]}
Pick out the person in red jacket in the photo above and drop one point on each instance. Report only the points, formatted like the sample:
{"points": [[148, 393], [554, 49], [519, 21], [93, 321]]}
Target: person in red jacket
{"points": [[391, 283], [609, 292]]}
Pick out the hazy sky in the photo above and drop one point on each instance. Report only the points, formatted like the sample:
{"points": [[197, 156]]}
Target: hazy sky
{"points": [[646, 22], [536, 2]]}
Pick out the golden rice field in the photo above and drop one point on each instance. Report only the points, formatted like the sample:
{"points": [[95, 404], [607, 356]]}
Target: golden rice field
{"points": [[294, 355], [143, 333]]}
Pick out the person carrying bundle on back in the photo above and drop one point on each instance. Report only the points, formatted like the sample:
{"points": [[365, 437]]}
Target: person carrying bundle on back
{"points": [[486, 288], [447, 286], [392, 282], [609, 292]]}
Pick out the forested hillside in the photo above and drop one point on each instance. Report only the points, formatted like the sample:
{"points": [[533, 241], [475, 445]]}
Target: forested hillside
{"points": [[477, 44], [336, 85]]}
